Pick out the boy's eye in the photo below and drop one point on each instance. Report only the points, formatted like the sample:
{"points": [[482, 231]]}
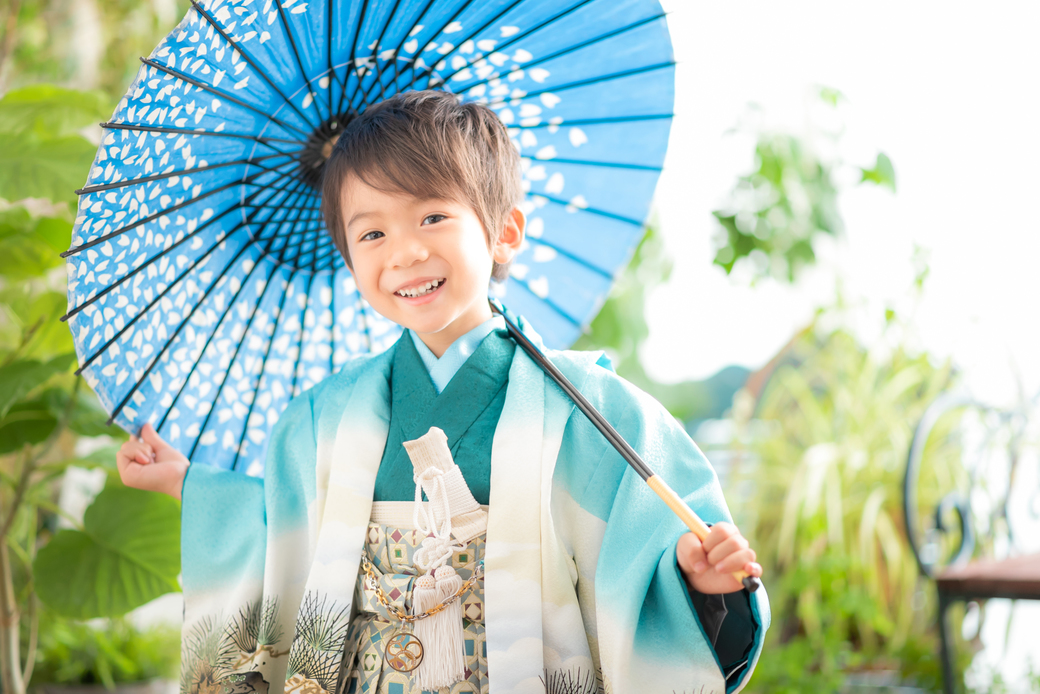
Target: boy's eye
{"points": [[371, 235], [433, 218]]}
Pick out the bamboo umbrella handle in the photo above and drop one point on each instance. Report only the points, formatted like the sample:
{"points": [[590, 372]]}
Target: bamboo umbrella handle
{"points": [[694, 523], [660, 487]]}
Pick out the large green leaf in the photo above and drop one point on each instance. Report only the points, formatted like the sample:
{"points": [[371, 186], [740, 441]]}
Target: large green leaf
{"points": [[25, 256], [29, 308], [51, 111], [33, 167], [26, 423], [127, 554], [23, 375]]}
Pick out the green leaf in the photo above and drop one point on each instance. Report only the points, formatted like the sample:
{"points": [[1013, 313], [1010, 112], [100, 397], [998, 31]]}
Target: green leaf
{"points": [[87, 417], [56, 233], [21, 376], [51, 111], [28, 308], [883, 173], [26, 256], [127, 555], [26, 423], [32, 167]]}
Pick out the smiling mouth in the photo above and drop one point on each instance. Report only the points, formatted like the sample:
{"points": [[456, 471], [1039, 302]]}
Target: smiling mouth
{"points": [[421, 290]]}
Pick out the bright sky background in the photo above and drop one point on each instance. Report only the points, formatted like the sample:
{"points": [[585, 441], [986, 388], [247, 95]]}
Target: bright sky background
{"points": [[949, 91]]}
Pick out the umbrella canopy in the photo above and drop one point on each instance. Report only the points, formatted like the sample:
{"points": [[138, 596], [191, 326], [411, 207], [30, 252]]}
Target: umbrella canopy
{"points": [[203, 289]]}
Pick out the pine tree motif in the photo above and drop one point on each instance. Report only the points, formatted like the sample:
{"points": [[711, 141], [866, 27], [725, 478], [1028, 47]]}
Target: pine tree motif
{"points": [[318, 644]]}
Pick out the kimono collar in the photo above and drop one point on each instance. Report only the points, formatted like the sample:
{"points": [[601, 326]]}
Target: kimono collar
{"points": [[442, 370]]}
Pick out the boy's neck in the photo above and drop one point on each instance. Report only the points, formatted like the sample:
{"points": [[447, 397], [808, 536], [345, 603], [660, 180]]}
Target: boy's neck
{"points": [[440, 341]]}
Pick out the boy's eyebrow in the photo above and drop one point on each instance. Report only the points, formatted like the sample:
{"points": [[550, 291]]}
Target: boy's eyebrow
{"points": [[360, 215]]}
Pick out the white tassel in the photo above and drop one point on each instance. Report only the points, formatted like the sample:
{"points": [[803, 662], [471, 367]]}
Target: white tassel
{"points": [[443, 663], [424, 596]]}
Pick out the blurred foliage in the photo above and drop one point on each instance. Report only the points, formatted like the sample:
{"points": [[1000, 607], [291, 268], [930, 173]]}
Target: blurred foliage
{"points": [[620, 328], [87, 44], [825, 445], [47, 415], [107, 652], [775, 214]]}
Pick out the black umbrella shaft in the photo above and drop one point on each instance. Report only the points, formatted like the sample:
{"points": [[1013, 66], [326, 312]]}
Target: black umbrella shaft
{"points": [[626, 451]]}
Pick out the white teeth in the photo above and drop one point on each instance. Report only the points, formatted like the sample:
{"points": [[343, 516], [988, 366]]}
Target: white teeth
{"points": [[421, 289]]}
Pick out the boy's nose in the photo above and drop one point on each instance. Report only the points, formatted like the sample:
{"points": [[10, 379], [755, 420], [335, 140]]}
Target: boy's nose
{"points": [[407, 251]]}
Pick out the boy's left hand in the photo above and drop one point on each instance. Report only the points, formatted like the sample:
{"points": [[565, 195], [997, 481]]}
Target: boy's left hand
{"points": [[709, 566]]}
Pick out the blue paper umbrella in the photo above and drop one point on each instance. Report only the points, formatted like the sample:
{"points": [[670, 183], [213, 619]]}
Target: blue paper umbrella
{"points": [[203, 290]]}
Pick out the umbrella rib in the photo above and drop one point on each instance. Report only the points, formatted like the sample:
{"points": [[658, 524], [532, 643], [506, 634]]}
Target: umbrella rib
{"points": [[284, 207], [351, 59], [184, 322], [378, 41], [183, 172], [567, 254], [263, 367], [207, 133], [147, 308], [548, 302], [593, 80], [429, 69], [419, 51], [329, 23], [565, 51], [223, 95], [296, 55], [593, 210], [252, 64], [192, 201], [151, 260], [607, 164], [209, 339], [593, 121]]}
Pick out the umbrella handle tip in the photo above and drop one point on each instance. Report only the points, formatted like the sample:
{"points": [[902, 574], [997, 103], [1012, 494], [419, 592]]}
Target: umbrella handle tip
{"points": [[751, 583]]}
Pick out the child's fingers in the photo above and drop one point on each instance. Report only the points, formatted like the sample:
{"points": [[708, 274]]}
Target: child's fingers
{"points": [[726, 548], [720, 532], [736, 562], [690, 553]]}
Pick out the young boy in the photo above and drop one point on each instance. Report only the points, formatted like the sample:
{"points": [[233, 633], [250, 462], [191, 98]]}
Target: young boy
{"points": [[583, 580]]}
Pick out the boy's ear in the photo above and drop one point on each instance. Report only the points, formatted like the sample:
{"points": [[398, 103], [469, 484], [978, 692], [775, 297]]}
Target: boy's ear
{"points": [[508, 243]]}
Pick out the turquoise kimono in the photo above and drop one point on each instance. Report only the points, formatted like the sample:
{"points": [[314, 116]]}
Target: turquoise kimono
{"points": [[580, 579]]}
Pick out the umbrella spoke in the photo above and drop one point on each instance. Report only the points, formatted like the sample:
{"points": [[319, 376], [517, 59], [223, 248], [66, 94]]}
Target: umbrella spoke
{"points": [[177, 74], [175, 282], [470, 37], [352, 59], [205, 133], [592, 80], [256, 68], [570, 256], [548, 302], [263, 366], [187, 319], [379, 40], [593, 210], [517, 37], [296, 55], [182, 172], [184, 322], [608, 164], [157, 256], [192, 201], [379, 72], [565, 51], [593, 121], [209, 339]]}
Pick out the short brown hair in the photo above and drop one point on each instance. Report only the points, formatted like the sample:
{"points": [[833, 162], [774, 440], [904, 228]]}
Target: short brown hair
{"points": [[429, 145]]}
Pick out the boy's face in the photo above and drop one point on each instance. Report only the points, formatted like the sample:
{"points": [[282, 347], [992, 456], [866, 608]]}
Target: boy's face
{"points": [[424, 264]]}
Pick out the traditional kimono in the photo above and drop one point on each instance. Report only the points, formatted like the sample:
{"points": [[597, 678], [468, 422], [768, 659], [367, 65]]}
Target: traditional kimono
{"points": [[581, 591]]}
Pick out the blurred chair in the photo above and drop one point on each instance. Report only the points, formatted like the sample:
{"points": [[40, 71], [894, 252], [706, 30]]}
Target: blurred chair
{"points": [[975, 472]]}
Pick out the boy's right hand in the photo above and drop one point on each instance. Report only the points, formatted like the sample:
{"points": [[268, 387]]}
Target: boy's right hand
{"points": [[152, 464]]}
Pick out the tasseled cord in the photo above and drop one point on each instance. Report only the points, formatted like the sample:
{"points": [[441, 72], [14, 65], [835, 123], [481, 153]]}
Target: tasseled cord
{"points": [[443, 662]]}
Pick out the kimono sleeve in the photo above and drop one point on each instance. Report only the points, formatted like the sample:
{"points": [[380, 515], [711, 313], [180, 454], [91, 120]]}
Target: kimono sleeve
{"points": [[225, 514], [647, 623]]}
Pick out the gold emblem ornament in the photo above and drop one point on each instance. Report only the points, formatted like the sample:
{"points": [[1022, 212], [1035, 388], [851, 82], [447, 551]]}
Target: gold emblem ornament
{"points": [[404, 651]]}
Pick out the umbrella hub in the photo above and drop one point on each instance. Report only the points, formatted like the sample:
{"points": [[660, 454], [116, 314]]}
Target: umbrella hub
{"points": [[319, 148]]}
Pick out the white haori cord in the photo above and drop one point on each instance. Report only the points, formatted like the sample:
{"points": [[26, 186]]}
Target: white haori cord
{"points": [[443, 662]]}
